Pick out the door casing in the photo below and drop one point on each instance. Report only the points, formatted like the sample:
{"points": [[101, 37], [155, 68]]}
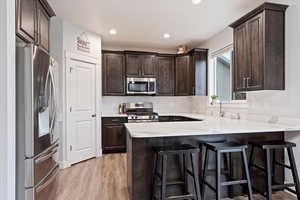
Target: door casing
{"points": [[92, 59]]}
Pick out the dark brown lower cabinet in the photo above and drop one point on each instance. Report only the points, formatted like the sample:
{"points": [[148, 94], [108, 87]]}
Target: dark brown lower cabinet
{"points": [[113, 134]]}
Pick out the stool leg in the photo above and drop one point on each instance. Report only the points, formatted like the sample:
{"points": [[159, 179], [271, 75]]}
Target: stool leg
{"points": [[251, 160], [218, 175], [269, 174], [164, 177], [185, 174], [229, 174], [246, 169], [195, 178], [206, 159], [294, 171], [153, 175], [273, 166]]}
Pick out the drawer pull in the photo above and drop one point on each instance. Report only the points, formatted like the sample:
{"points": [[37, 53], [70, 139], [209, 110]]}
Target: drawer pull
{"points": [[49, 181], [45, 157]]}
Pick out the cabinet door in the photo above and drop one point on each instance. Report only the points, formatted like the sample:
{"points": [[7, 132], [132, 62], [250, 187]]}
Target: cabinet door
{"points": [[201, 64], [256, 43], [133, 66], [113, 74], [113, 138], [148, 63], [43, 27], [165, 76], [241, 58], [25, 18], [182, 76]]}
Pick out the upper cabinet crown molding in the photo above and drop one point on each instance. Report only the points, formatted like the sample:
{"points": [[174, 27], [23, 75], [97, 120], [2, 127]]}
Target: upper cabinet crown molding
{"points": [[259, 49], [263, 7], [48, 8]]}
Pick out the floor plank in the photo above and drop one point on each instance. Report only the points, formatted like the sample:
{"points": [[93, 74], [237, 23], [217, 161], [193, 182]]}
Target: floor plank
{"points": [[105, 179]]}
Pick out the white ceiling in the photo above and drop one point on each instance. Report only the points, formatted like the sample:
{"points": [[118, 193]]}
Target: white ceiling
{"points": [[142, 23]]}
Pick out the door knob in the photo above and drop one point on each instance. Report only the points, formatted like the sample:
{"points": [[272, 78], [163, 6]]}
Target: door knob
{"points": [[94, 115]]}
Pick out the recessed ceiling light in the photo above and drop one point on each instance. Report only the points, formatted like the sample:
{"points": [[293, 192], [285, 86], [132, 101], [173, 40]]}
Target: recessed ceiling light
{"points": [[196, 1], [167, 35], [112, 32]]}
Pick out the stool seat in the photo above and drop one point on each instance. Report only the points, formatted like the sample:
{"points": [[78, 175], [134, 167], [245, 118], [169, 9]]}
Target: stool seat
{"points": [[225, 146], [275, 144], [175, 149]]}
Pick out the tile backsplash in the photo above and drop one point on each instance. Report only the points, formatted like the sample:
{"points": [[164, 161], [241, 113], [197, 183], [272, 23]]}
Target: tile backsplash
{"points": [[161, 104]]}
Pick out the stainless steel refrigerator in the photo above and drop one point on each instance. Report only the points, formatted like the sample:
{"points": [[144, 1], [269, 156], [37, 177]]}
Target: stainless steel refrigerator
{"points": [[37, 145]]}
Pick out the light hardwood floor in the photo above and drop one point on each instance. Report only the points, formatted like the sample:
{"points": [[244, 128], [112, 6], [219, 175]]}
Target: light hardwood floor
{"points": [[105, 179]]}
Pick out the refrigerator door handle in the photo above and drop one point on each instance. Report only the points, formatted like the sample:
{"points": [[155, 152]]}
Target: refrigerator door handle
{"points": [[53, 94]]}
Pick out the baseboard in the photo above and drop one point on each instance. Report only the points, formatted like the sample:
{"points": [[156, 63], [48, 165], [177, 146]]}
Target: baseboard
{"points": [[64, 164], [99, 153]]}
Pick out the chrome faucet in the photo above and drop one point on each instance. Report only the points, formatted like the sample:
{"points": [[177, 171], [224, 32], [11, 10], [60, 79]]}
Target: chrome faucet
{"points": [[221, 112]]}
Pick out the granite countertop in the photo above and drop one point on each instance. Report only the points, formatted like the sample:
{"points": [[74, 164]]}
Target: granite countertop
{"points": [[209, 126]]}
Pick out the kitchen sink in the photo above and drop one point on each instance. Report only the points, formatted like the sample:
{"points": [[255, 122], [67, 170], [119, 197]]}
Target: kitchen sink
{"points": [[172, 118]]}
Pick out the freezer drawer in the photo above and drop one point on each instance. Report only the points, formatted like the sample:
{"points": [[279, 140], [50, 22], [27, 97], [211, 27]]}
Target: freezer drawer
{"points": [[46, 190], [40, 167]]}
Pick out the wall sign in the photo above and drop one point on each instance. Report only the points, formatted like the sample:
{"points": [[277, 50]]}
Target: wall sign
{"points": [[83, 43]]}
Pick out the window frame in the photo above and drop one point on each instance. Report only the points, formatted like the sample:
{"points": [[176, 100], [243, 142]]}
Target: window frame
{"points": [[212, 64]]}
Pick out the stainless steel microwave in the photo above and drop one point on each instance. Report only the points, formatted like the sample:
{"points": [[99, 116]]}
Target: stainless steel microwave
{"points": [[146, 86]]}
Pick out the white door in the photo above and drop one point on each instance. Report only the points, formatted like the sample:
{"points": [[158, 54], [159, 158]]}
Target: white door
{"points": [[82, 109]]}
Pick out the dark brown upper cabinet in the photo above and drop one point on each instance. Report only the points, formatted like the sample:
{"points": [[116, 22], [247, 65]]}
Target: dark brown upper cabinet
{"points": [[43, 27], [176, 74], [198, 72], [259, 48], [165, 75], [33, 21], [25, 16], [113, 73], [140, 64], [182, 75]]}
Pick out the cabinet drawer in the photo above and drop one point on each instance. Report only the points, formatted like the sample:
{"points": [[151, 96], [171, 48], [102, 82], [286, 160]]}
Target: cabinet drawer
{"points": [[114, 120]]}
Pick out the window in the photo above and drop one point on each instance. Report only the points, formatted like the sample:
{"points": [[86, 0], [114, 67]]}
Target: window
{"points": [[220, 76]]}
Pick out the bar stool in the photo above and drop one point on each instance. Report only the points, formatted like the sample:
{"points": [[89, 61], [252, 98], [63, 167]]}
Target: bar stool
{"points": [[227, 171], [270, 171], [219, 149], [160, 177]]}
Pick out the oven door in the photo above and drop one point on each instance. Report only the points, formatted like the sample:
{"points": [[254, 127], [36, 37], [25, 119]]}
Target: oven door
{"points": [[137, 85]]}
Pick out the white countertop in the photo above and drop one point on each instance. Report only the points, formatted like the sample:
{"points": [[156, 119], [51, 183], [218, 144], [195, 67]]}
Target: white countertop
{"points": [[209, 126]]}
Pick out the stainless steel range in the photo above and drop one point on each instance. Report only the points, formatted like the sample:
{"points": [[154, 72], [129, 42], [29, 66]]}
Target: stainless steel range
{"points": [[141, 112]]}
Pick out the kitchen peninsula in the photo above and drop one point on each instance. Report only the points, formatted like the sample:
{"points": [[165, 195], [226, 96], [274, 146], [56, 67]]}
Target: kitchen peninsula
{"points": [[142, 137]]}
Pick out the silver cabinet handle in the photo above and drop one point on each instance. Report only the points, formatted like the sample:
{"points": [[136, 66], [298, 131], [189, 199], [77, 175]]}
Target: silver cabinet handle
{"points": [[244, 82], [247, 82]]}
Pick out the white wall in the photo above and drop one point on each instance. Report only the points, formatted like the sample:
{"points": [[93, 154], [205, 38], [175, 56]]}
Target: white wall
{"points": [[162, 105], [7, 99], [219, 41], [264, 105], [63, 37]]}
